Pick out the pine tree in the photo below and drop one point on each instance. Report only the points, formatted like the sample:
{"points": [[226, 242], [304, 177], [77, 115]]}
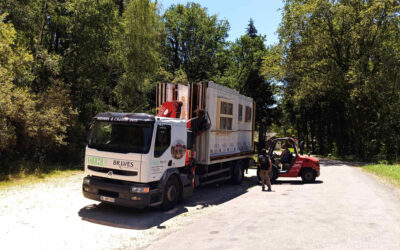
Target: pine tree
{"points": [[251, 29], [248, 52]]}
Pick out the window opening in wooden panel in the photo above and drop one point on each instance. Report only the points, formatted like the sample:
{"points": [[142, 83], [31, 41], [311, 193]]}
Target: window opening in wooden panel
{"points": [[240, 116], [248, 114], [224, 114]]}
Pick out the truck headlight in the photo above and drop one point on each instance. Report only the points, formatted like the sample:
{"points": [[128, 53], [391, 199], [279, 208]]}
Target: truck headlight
{"points": [[86, 181], [141, 190]]}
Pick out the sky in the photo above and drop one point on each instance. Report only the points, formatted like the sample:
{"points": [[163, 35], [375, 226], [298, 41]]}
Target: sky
{"points": [[265, 14]]}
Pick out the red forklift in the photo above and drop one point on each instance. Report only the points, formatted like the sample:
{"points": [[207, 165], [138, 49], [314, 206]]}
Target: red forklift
{"points": [[295, 165]]}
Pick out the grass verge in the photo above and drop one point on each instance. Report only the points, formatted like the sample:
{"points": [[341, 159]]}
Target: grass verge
{"points": [[23, 179], [27, 172], [390, 173]]}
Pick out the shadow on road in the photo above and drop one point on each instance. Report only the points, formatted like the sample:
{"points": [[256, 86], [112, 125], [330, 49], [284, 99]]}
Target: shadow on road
{"points": [[334, 163], [141, 219], [129, 218], [295, 182]]}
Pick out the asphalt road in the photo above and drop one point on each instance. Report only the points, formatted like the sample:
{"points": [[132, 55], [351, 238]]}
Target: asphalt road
{"points": [[345, 209]]}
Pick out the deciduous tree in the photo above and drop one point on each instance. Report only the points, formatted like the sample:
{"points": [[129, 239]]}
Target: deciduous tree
{"points": [[338, 61], [194, 41]]}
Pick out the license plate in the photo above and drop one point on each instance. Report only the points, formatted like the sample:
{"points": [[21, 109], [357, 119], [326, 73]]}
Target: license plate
{"points": [[105, 198]]}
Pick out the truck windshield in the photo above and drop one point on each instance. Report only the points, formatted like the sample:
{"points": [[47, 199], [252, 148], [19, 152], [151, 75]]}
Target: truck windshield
{"points": [[121, 138]]}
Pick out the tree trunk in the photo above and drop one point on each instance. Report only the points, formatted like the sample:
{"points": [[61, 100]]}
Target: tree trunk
{"points": [[39, 41], [261, 137]]}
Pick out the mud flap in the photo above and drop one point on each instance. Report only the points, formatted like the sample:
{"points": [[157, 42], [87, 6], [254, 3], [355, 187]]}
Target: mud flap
{"points": [[187, 188]]}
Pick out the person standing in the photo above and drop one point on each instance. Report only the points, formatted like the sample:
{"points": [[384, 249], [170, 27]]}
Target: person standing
{"points": [[265, 166]]}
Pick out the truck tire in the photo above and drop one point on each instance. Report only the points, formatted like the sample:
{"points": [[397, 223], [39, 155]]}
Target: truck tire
{"points": [[308, 175], [237, 173], [171, 193]]}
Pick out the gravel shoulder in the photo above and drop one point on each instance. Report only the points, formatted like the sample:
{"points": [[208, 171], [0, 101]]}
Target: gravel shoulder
{"points": [[54, 214]]}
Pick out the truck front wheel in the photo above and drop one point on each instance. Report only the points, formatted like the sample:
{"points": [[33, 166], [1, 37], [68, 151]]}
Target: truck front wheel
{"points": [[308, 175], [171, 193]]}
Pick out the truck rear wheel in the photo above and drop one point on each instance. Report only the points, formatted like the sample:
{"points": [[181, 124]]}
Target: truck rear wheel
{"points": [[171, 193], [308, 175]]}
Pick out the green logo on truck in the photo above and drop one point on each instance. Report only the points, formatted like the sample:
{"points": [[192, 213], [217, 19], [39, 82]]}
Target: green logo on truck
{"points": [[97, 161]]}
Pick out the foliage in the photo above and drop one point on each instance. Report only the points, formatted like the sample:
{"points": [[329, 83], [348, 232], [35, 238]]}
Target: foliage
{"points": [[339, 63], [137, 48], [87, 67], [63, 61], [244, 74], [194, 41], [28, 121]]}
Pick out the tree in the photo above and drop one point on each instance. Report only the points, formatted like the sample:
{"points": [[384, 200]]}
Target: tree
{"points": [[28, 121], [335, 63], [87, 65], [244, 74], [14, 61], [138, 50], [251, 29], [194, 41]]}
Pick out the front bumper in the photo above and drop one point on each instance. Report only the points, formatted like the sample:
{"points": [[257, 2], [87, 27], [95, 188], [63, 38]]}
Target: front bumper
{"points": [[118, 193]]}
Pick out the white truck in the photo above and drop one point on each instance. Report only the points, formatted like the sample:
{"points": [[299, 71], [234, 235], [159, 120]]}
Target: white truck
{"points": [[203, 133]]}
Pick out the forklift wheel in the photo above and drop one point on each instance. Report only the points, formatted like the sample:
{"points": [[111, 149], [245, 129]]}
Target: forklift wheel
{"points": [[308, 175]]}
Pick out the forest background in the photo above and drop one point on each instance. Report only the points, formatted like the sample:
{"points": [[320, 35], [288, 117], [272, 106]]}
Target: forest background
{"points": [[332, 80]]}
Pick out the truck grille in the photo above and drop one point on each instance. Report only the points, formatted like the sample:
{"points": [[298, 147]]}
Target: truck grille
{"points": [[113, 171]]}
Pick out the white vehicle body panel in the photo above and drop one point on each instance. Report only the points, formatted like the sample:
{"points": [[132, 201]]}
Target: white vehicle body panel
{"points": [[156, 167], [148, 167], [214, 145], [111, 160]]}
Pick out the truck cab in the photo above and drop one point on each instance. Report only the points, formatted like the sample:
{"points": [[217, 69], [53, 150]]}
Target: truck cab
{"points": [[128, 157]]}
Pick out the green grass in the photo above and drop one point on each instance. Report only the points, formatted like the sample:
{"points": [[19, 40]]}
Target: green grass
{"points": [[22, 179], [26, 172], [390, 173]]}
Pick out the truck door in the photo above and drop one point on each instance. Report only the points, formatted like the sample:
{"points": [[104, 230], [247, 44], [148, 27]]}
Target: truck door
{"points": [[162, 155]]}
